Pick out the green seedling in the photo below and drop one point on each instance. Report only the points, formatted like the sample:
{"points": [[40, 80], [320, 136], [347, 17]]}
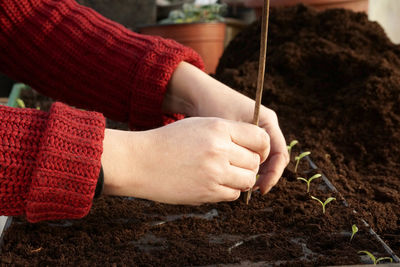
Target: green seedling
{"points": [[291, 145], [354, 230], [309, 180], [191, 13], [299, 157], [20, 103], [374, 259], [329, 199]]}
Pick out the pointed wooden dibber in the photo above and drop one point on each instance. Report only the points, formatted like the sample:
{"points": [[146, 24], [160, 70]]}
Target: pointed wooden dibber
{"points": [[261, 71]]}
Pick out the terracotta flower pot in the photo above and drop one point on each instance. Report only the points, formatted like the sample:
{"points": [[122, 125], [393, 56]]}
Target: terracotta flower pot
{"points": [[207, 39], [355, 5]]}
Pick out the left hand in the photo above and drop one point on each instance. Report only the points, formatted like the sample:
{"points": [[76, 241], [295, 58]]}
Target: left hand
{"points": [[194, 93]]}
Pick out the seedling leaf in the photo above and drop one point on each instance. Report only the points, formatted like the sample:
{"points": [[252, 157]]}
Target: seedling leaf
{"points": [[383, 259], [302, 155], [373, 258], [309, 180], [299, 157], [329, 199], [291, 145], [315, 176], [317, 200], [354, 230]]}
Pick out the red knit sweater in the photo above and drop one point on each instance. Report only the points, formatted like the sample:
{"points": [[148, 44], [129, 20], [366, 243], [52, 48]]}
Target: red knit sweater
{"points": [[49, 162]]}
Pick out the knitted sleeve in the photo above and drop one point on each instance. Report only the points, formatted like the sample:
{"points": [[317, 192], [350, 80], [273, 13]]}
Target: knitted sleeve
{"points": [[49, 161], [73, 54]]}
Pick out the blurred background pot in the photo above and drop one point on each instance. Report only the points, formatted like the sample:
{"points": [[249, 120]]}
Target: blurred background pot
{"points": [[355, 5], [201, 27], [207, 39]]}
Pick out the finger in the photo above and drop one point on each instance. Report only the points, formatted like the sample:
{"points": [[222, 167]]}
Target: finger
{"points": [[277, 140], [239, 178], [243, 158], [251, 137], [270, 172], [225, 193], [272, 169]]}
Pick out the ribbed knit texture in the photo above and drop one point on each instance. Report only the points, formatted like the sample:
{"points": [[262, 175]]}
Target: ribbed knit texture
{"points": [[73, 54], [49, 162]]}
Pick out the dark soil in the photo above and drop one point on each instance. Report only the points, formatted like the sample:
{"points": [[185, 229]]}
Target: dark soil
{"points": [[334, 80], [286, 226]]}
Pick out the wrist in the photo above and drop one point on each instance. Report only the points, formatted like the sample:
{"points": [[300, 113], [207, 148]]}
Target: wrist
{"points": [[118, 162], [195, 93], [181, 95]]}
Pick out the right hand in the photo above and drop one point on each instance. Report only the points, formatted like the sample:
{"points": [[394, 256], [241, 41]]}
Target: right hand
{"points": [[192, 161]]}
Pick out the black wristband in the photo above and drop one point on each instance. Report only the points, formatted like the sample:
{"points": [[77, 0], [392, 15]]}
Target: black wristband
{"points": [[100, 184]]}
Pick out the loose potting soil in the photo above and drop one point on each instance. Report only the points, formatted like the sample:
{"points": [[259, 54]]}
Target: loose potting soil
{"points": [[334, 80]]}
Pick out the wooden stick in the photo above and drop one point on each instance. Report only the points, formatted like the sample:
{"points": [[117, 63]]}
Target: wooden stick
{"points": [[261, 70]]}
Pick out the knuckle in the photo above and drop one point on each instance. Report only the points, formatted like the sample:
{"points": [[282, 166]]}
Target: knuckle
{"points": [[214, 147], [214, 173], [263, 142], [264, 139], [272, 114], [248, 181], [218, 125], [213, 190]]}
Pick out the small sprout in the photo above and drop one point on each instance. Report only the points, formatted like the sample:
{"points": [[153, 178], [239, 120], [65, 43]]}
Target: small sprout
{"points": [[354, 230], [375, 260], [324, 203], [37, 108], [309, 180], [20, 103], [291, 145], [299, 157]]}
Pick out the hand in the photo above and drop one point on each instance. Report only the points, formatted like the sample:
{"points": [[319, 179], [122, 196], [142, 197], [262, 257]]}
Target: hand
{"points": [[195, 93], [192, 161]]}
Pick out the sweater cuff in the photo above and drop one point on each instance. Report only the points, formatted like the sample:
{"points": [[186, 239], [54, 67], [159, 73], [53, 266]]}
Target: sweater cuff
{"points": [[151, 79], [68, 164]]}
